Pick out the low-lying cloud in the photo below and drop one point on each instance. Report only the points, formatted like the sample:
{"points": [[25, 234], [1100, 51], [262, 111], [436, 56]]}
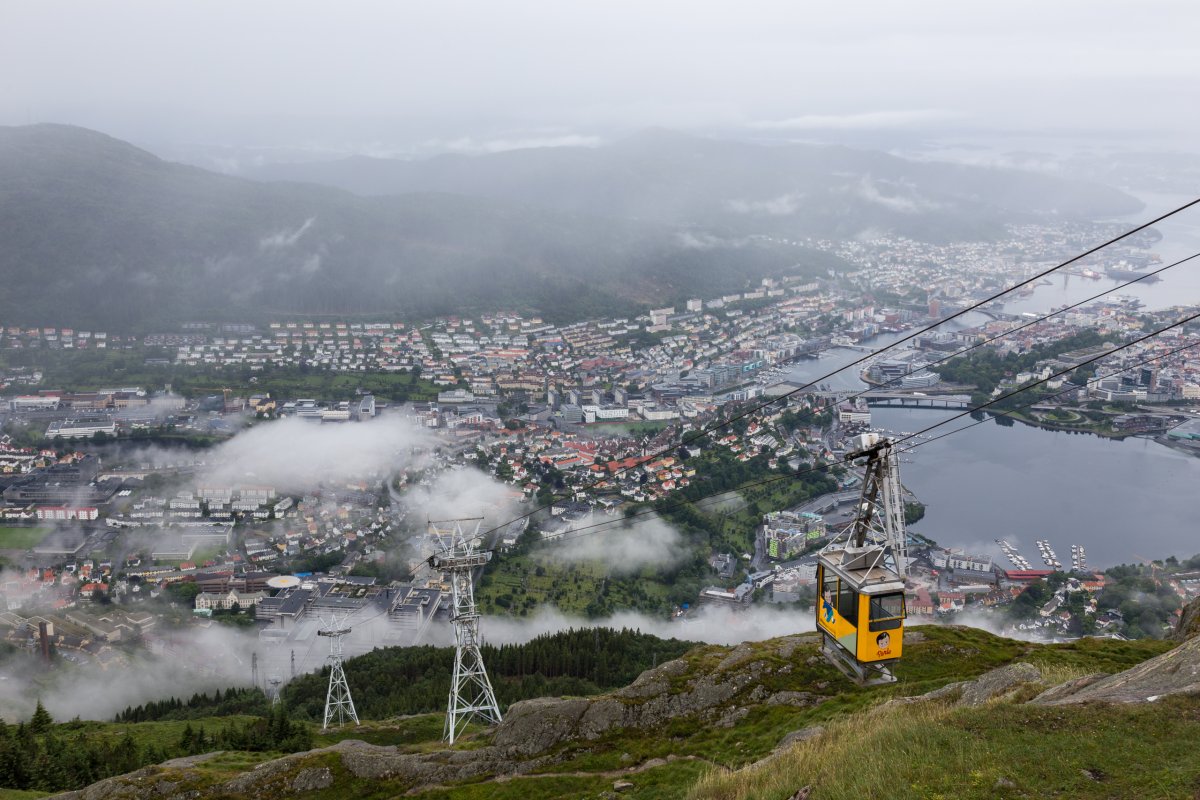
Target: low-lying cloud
{"points": [[867, 120], [785, 205], [296, 455], [644, 543], [285, 238]]}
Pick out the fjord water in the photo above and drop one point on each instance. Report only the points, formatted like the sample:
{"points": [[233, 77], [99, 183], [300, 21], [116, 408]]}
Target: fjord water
{"points": [[1122, 500]]}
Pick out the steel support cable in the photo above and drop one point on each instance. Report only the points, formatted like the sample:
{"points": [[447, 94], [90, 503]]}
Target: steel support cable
{"points": [[704, 431], [1019, 328], [600, 526], [1008, 412]]}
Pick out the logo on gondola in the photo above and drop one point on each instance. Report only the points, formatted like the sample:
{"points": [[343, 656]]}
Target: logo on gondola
{"points": [[884, 642]]}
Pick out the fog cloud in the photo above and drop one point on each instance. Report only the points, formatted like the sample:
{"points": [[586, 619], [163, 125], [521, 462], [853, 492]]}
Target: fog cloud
{"points": [[296, 455], [583, 71], [785, 205], [646, 542], [285, 238], [710, 624]]}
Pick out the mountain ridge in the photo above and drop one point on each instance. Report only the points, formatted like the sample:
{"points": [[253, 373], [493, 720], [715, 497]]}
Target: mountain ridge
{"points": [[100, 233], [797, 190]]}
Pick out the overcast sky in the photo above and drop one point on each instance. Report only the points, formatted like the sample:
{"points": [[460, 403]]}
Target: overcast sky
{"points": [[396, 76]]}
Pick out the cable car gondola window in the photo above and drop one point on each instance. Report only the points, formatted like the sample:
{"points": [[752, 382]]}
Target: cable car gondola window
{"points": [[848, 604], [887, 612]]}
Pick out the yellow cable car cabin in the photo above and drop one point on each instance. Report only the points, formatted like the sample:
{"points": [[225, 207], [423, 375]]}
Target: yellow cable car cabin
{"points": [[861, 609], [860, 574]]}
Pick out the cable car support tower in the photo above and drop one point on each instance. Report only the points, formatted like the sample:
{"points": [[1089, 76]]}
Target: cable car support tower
{"points": [[471, 693], [868, 563], [338, 702]]}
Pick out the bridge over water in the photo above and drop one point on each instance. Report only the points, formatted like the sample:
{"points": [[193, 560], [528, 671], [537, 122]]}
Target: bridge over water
{"points": [[883, 397]]}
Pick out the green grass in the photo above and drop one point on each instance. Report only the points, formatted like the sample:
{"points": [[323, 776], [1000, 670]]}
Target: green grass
{"points": [[630, 428], [165, 734], [408, 732], [934, 751], [570, 587], [667, 782], [18, 794], [926, 750], [18, 538]]}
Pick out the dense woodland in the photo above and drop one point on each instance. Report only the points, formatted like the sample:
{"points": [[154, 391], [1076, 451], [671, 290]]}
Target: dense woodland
{"points": [[415, 680], [41, 756], [236, 700]]}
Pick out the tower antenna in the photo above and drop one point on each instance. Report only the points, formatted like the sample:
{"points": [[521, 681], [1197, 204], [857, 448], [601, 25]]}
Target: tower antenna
{"points": [[471, 693]]}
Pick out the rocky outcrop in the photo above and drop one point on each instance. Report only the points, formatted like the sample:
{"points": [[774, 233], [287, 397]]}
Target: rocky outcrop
{"points": [[987, 687], [304, 773], [1174, 672], [721, 696], [1189, 623]]}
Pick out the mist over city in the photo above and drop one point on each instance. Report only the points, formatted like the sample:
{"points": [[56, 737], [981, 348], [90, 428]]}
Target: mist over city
{"points": [[543, 399]]}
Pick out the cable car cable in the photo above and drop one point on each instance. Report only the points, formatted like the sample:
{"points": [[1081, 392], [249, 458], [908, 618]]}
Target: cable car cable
{"points": [[589, 530], [741, 415]]}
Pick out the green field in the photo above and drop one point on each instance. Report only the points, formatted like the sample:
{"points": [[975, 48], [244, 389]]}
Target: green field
{"points": [[19, 538]]}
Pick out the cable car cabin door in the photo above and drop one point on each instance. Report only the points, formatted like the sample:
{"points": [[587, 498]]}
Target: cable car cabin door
{"points": [[868, 625], [837, 609]]}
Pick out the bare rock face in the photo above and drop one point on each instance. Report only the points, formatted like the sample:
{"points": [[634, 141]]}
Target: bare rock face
{"points": [[1189, 623], [998, 682], [804, 734], [986, 687], [534, 726], [1068, 688], [1174, 672], [146, 782]]}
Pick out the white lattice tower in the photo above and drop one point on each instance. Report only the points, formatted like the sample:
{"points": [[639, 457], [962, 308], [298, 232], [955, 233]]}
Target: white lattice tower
{"points": [[338, 702], [274, 692], [471, 693]]}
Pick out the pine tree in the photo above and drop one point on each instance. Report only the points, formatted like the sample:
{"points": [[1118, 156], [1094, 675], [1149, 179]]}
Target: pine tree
{"points": [[187, 740], [41, 720]]}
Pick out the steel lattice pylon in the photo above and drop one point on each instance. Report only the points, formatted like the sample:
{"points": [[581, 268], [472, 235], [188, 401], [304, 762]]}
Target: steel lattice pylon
{"points": [[471, 693], [337, 700], [878, 531]]}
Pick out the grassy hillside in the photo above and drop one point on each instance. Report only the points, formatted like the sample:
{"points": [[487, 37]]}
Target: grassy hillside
{"points": [[701, 727]]}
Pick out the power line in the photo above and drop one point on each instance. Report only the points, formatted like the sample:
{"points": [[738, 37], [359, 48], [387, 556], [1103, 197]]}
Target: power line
{"points": [[1058, 374], [955, 354], [588, 530], [1031, 323], [741, 415], [1008, 412], [595, 528]]}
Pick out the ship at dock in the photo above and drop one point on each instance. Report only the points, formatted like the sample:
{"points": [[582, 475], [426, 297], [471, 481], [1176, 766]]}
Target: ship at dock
{"points": [[1123, 272]]}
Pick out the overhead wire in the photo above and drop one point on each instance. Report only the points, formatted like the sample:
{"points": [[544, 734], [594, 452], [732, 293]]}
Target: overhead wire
{"points": [[598, 527], [998, 336], [1037, 320], [1008, 412], [717, 425]]}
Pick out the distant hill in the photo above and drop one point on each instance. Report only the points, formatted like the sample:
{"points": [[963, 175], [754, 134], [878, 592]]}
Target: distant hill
{"points": [[788, 190], [97, 232]]}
